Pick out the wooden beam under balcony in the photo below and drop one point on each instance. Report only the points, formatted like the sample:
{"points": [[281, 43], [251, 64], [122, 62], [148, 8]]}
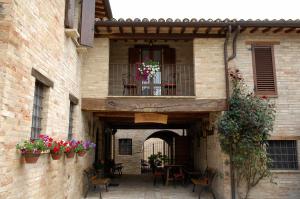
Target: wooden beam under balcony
{"points": [[150, 104]]}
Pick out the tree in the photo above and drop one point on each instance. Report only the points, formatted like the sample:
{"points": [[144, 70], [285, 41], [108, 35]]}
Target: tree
{"points": [[243, 133]]}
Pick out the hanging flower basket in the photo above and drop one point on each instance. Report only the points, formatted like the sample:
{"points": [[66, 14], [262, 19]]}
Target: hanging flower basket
{"points": [[70, 154], [147, 69], [81, 153], [55, 156], [31, 157]]}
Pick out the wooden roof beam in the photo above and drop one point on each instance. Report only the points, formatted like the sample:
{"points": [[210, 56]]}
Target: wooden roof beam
{"points": [[196, 29], [170, 29], [161, 36], [121, 29], [266, 30], [145, 30], [221, 30], [208, 30], [253, 30], [277, 30], [157, 30], [182, 30], [298, 31], [290, 30], [243, 29]]}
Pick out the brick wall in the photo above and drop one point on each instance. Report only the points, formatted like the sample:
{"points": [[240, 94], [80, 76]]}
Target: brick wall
{"points": [[32, 36]]}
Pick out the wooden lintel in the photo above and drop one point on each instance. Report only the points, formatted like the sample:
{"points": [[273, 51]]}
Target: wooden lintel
{"points": [[284, 137], [261, 42], [160, 105], [42, 78], [170, 30], [162, 36]]}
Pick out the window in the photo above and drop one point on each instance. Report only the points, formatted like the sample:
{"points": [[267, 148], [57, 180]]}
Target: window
{"points": [[37, 110], [283, 154], [264, 70], [70, 132], [125, 146]]}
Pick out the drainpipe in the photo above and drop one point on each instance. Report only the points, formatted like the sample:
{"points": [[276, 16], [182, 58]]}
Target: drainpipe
{"points": [[226, 60], [228, 33]]}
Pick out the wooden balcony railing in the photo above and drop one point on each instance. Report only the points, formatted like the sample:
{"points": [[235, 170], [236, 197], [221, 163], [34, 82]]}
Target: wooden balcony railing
{"points": [[171, 80]]}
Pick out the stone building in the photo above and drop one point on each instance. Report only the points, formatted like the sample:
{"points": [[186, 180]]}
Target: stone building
{"points": [[76, 56]]}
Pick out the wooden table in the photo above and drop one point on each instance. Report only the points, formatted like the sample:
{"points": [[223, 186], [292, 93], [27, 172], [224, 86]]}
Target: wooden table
{"points": [[168, 168]]}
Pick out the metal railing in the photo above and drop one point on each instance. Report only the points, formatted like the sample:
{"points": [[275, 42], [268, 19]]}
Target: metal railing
{"points": [[171, 80]]}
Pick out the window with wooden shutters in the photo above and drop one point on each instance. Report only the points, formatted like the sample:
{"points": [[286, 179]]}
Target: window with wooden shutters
{"points": [[87, 23], [69, 13], [36, 126], [264, 70]]}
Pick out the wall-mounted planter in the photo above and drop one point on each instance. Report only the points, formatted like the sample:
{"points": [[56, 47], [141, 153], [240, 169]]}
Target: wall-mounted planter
{"points": [[81, 153], [31, 157], [55, 156], [70, 154]]}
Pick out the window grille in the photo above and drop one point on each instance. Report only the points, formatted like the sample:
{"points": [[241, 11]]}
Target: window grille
{"points": [[283, 154], [70, 132], [36, 126], [125, 146]]}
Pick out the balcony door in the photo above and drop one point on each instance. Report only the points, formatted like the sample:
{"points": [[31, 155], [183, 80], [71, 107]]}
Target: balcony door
{"points": [[164, 55]]}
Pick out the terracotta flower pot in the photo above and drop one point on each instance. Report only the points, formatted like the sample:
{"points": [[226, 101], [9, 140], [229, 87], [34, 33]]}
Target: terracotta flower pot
{"points": [[31, 157], [70, 154], [55, 156], [81, 153]]}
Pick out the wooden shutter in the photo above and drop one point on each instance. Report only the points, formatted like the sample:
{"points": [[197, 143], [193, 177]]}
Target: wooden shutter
{"points": [[134, 56], [169, 56], [264, 70], [87, 23], [69, 13]]}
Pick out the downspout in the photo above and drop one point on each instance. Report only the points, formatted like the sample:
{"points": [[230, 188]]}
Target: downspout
{"points": [[226, 60]]}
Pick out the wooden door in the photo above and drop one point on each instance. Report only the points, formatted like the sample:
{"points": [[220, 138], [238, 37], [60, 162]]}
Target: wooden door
{"points": [[182, 150]]}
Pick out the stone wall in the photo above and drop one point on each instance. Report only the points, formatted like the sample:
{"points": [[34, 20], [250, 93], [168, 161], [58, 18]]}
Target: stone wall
{"points": [[32, 36], [207, 154], [95, 70], [209, 69]]}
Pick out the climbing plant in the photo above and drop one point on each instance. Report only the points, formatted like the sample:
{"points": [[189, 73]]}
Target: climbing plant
{"points": [[243, 132]]}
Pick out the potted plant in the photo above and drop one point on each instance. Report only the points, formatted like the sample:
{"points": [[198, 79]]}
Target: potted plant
{"points": [[156, 160], [70, 148], [31, 149], [84, 146], [147, 69]]}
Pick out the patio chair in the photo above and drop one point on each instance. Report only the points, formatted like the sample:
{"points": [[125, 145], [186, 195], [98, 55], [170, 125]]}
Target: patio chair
{"points": [[91, 180], [205, 182], [129, 85], [158, 172]]}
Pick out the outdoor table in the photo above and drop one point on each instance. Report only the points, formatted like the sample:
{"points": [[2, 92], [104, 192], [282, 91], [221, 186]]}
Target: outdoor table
{"points": [[168, 168]]}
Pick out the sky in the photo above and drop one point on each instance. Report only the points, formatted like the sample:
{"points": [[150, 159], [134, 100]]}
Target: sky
{"points": [[214, 9]]}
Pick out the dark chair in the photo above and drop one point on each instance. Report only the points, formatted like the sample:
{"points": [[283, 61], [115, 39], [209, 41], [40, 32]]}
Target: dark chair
{"points": [[129, 85], [205, 182], [158, 172], [178, 175], [115, 167], [91, 180]]}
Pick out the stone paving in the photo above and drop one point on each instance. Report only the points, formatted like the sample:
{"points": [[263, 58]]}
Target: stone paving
{"points": [[141, 187]]}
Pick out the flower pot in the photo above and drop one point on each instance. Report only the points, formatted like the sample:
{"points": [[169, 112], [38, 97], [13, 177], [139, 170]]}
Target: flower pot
{"points": [[81, 153], [55, 156], [31, 157], [70, 154]]}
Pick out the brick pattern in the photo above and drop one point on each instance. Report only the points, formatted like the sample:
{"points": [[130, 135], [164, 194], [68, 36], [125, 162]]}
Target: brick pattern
{"points": [[32, 35]]}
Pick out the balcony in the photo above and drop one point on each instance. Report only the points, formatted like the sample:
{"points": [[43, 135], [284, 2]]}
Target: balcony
{"points": [[171, 80]]}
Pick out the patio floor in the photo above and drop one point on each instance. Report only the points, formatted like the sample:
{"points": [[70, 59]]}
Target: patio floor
{"points": [[141, 187]]}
